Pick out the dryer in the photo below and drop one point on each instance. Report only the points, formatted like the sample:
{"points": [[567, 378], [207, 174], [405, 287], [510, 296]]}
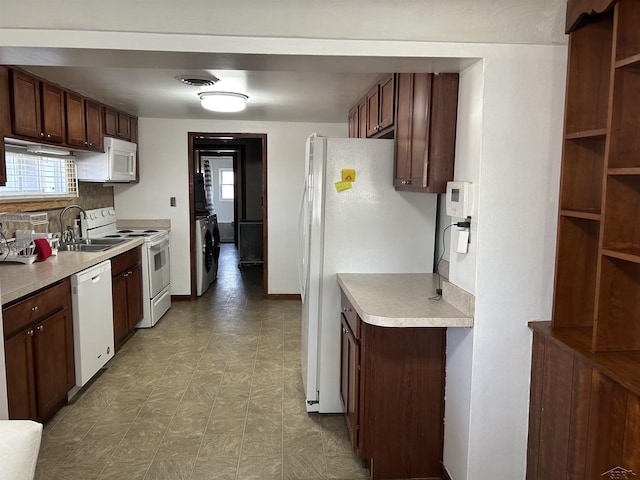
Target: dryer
{"points": [[204, 255]]}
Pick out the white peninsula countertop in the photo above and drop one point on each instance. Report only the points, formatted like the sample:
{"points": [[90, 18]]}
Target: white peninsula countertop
{"points": [[400, 300], [18, 280]]}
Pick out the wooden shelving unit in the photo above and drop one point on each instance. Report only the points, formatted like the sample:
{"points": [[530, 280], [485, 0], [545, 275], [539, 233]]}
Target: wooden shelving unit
{"points": [[598, 254], [584, 414]]}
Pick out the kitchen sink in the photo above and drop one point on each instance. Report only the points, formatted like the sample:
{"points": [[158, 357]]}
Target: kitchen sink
{"points": [[91, 245]]}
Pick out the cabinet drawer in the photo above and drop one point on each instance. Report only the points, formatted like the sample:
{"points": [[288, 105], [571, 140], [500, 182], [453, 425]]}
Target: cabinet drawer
{"points": [[125, 261], [36, 307], [350, 315]]}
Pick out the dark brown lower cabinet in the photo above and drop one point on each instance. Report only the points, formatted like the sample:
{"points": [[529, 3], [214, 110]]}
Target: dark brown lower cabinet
{"points": [[584, 414], [39, 353], [392, 388], [126, 273]]}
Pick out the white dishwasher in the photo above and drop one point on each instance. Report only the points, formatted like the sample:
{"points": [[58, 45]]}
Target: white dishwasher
{"points": [[92, 320]]}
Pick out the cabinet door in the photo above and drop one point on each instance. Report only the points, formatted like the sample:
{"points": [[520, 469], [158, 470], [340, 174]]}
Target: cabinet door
{"points": [[558, 412], [52, 99], [93, 117], [386, 102], [353, 122], [349, 380], [442, 132], [123, 126], [120, 309], [372, 100], [402, 166], [362, 118], [76, 130], [21, 391], [607, 414], [53, 361], [25, 112], [134, 296], [630, 457], [133, 130], [110, 122]]}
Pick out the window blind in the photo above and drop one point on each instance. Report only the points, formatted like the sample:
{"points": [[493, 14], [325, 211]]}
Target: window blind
{"points": [[38, 176]]}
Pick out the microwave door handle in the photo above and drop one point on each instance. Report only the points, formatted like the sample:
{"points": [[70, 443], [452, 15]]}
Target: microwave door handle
{"points": [[131, 164]]}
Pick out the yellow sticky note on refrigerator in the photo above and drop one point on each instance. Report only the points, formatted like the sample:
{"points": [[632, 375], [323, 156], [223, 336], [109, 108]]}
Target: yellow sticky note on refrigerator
{"points": [[348, 175], [342, 186]]}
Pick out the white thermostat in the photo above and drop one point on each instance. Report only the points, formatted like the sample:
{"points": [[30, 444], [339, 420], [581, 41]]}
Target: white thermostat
{"points": [[459, 199]]}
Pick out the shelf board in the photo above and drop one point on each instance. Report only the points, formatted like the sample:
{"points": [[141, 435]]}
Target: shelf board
{"points": [[624, 171], [597, 132], [627, 254], [584, 214], [630, 62]]}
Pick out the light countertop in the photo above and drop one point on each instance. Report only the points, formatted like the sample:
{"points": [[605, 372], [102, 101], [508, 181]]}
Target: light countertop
{"points": [[18, 280], [400, 300]]}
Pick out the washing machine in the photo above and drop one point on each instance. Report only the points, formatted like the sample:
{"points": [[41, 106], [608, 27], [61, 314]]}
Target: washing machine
{"points": [[215, 237], [204, 255]]}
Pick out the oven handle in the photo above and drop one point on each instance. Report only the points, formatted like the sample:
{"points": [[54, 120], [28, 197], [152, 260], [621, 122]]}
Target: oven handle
{"points": [[159, 242]]}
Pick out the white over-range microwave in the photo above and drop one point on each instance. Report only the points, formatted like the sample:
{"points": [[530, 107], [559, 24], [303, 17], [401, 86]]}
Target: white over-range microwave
{"points": [[117, 164]]}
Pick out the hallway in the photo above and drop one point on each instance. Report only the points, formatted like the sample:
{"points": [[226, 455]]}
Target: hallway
{"points": [[213, 391]]}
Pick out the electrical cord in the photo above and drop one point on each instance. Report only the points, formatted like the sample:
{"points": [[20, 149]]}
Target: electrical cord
{"points": [[438, 295], [465, 224]]}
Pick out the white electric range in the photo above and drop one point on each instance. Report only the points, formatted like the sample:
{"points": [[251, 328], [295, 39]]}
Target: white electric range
{"points": [[156, 273]]}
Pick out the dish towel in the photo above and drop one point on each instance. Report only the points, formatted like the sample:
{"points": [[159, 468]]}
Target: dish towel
{"points": [[19, 447], [43, 249]]}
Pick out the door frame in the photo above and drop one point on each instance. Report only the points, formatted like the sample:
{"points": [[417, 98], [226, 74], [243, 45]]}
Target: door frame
{"points": [[192, 161]]}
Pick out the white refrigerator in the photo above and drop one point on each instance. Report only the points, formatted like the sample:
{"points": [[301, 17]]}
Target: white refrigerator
{"points": [[369, 228]]}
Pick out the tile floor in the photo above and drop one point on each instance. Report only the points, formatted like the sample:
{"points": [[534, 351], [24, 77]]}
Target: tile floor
{"points": [[214, 391]]}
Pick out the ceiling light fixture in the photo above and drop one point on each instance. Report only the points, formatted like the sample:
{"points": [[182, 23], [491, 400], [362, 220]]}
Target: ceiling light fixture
{"points": [[223, 101]]}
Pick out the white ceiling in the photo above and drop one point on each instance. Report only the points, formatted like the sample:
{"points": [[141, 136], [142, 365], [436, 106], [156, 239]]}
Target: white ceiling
{"points": [[284, 54], [280, 88]]}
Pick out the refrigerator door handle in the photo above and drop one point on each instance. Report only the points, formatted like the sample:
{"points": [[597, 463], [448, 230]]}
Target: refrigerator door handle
{"points": [[302, 247]]}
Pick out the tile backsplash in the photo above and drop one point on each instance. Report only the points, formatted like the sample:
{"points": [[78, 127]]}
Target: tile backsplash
{"points": [[91, 195]]}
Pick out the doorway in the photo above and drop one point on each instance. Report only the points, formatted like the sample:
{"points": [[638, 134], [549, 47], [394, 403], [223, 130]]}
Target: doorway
{"points": [[248, 155]]}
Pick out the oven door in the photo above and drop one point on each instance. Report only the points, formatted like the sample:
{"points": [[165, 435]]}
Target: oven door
{"points": [[159, 271]]}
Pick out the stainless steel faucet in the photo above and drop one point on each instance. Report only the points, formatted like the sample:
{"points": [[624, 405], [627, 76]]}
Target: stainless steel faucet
{"points": [[68, 234]]}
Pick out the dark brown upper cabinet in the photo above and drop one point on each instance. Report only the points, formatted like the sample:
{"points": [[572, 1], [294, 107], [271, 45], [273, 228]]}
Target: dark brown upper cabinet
{"points": [[84, 122], [380, 107], [37, 108], [425, 132]]}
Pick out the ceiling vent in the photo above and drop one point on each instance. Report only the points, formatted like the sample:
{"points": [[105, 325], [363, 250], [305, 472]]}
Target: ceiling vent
{"points": [[197, 81]]}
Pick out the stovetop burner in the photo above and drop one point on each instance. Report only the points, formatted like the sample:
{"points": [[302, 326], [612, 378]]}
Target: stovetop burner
{"points": [[101, 223]]}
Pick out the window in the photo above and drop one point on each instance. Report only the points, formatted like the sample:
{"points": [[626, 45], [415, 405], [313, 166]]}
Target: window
{"points": [[227, 184], [38, 177]]}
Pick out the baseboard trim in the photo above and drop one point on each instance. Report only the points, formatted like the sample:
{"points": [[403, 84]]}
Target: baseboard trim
{"points": [[283, 296]]}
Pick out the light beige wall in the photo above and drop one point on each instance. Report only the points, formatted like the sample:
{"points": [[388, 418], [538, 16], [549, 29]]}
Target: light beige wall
{"points": [[163, 173], [498, 21]]}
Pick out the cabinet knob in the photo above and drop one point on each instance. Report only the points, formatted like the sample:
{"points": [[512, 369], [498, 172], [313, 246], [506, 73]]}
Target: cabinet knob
{"points": [[48, 135], [30, 333], [39, 328], [34, 309], [41, 134], [346, 309]]}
